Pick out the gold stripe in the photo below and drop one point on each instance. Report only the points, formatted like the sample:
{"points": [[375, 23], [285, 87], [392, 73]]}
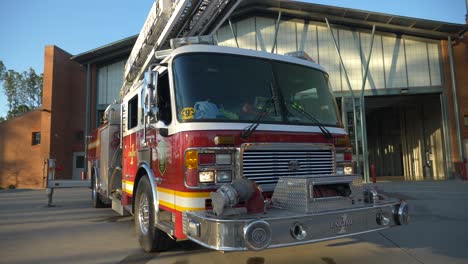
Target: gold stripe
{"points": [[128, 190]]}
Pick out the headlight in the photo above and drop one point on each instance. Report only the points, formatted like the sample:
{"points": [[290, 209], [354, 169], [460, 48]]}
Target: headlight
{"points": [[348, 170], [206, 176], [223, 176]]}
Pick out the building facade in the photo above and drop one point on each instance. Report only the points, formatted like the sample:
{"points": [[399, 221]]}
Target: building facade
{"points": [[412, 102]]}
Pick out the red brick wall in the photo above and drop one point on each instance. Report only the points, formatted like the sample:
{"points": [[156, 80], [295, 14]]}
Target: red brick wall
{"points": [[460, 54], [64, 94], [21, 163], [61, 118]]}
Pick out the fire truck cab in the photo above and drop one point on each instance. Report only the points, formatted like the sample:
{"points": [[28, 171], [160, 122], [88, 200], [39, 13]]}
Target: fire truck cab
{"points": [[235, 150]]}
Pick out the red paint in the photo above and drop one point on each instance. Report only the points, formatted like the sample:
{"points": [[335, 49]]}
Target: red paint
{"points": [[173, 176], [256, 203]]}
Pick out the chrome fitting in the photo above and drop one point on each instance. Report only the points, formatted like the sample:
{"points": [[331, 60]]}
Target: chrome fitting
{"points": [[401, 213], [298, 231]]}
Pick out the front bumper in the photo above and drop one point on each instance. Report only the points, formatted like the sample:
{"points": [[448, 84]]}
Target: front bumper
{"points": [[281, 228]]}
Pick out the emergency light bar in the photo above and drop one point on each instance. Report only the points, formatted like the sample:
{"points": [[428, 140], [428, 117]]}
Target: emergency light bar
{"points": [[301, 55], [179, 42]]}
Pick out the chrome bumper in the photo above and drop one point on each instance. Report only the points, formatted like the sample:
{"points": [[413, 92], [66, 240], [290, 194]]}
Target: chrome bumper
{"points": [[281, 228]]}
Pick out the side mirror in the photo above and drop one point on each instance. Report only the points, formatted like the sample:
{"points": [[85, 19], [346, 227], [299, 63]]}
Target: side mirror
{"points": [[151, 94]]}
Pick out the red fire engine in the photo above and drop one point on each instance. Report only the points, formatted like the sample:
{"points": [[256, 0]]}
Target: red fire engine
{"points": [[235, 150]]}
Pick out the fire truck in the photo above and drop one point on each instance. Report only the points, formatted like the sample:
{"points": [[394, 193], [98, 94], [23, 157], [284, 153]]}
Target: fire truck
{"points": [[233, 149]]}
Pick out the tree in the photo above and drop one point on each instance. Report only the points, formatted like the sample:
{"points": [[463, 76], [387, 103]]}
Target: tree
{"points": [[23, 90]]}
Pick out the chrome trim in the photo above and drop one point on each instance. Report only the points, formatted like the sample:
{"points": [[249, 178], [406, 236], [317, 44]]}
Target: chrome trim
{"points": [[152, 180], [228, 234], [292, 149]]}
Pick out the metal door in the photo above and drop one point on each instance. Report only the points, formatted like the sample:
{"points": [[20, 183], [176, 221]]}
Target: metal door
{"points": [[78, 165]]}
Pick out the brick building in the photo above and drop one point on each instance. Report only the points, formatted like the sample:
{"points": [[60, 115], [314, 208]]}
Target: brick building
{"points": [[410, 108], [55, 131]]}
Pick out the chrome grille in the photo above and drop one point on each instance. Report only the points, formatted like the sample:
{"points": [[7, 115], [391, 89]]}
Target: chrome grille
{"points": [[264, 164]]}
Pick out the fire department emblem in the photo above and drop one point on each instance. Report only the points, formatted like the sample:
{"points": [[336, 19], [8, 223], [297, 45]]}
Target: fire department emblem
{"points": [[187, 113], [162, 156]]}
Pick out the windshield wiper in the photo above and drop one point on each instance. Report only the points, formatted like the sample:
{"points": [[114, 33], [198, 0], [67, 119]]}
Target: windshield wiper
{"points": [[326, 133], [247, 132]]}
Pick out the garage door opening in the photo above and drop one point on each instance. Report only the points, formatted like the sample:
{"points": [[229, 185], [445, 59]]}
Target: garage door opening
{"points": [[405, 136]]}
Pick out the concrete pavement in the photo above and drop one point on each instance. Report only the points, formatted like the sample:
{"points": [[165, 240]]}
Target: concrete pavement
{"points": [[73, 232]]}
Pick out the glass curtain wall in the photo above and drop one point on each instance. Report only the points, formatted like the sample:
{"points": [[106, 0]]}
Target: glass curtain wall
{"points": [[397, 61]]}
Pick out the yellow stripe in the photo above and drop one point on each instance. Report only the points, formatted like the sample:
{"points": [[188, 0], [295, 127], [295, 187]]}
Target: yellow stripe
{"points": [[185, 194], [179, 208], [128, 190], [127, 187], [167, 204]]}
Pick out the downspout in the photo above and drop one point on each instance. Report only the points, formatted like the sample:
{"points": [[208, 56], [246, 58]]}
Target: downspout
{"points": [[455, 100], [87, 114]]}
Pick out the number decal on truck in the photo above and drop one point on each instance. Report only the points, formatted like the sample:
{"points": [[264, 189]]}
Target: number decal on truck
{"points": [[187, 113]]}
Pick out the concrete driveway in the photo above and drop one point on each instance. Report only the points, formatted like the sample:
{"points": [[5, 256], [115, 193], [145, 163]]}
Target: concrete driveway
{"points": [[73, 232]]}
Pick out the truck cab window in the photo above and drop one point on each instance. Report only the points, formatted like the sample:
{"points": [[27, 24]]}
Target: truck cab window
{"points": [[164, 99], [133, 112]]}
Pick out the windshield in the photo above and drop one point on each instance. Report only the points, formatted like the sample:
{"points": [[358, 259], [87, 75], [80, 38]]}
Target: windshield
{"points": [[233, 88]]}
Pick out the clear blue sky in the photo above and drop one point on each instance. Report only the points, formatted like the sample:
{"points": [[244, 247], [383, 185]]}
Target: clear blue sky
{"points": [[27, 26]]}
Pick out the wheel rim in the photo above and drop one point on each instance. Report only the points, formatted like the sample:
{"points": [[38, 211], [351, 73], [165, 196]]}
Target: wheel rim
{"points": [[143, 214]]}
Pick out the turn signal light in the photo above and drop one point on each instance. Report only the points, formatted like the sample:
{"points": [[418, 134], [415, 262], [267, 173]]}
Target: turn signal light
{"points": [[191, 159]]}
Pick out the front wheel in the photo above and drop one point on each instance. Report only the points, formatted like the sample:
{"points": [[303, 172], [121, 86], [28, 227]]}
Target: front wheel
{"points": [[150, 237]]}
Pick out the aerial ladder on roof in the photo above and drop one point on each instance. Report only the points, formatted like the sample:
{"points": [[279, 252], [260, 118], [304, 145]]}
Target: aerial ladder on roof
{"points": [[169, 19]]}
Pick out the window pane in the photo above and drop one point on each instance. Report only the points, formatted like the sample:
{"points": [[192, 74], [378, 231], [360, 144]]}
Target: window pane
{"points": [[79, 162], [36, 138], [213, 87], [395, 67]]}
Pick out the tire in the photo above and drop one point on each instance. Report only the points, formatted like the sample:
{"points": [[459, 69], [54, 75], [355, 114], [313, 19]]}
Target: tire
{"points": [[150, 237], [97, 201]]}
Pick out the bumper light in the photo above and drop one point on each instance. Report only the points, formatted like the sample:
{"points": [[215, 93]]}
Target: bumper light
{"points": [[257, 235], [206, 176]]}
